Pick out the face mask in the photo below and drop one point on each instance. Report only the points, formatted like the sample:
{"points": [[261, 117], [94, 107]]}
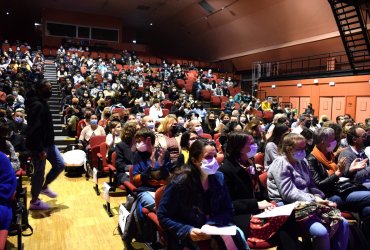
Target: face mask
{"points": [[173, 90], [253, 150], [209, 167], [180, 122], [150, 125], [299, 155], [174, 129], [310, 142], [242, 119], [141, 147], [332, 145], [261, 128], [191, 141], [308, 124], [15, 93], [94, 122], [225, 122], [88, 105], [199, 130], [86, 95], [18, 120]]}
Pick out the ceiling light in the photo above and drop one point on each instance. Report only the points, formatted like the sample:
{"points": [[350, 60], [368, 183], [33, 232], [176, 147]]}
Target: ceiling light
{"points": [[316, 81], [133, 41], [299, 85], [331, 83], [151, 24], [273, 86], [7, 13], [37, 24]]}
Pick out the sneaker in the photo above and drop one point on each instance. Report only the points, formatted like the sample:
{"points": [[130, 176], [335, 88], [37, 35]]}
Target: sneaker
{"points": [[39, 205], [48, 192]]}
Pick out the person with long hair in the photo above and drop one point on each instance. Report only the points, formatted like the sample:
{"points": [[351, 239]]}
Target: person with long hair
{"points": [[196, 196], [239, 171], [167, 137], [187, 139], [289, 180], [271, 150]]}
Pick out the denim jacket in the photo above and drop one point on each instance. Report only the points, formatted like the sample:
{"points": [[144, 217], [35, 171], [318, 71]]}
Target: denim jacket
{"points": [[186, 205]]}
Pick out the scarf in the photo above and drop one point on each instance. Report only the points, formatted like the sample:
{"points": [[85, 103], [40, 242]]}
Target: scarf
{"points": [[330, 165]]}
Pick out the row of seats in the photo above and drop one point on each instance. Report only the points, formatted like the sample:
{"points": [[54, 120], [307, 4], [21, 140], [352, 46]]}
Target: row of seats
{"points": [[144, 58]]}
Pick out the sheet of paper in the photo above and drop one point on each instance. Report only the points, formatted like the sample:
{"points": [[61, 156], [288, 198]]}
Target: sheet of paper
{"points": [[212, 230], [106, 189], [277, 211], [95, 175]]}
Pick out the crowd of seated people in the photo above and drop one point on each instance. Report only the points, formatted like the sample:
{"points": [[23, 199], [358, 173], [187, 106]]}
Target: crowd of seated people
{"points": [[184, 143], [131, 106]]}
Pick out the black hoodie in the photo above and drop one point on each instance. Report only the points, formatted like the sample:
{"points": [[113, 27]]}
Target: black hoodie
{"points": [[40, 131]]}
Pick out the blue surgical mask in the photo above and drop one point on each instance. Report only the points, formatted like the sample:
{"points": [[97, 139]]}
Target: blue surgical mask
{"points": [[94, 122], [18, 120], [299, 155]]}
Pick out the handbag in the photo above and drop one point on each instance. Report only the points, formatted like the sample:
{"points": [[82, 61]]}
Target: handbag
{"points": [[345, 188], [312, 211], [263, 229]]}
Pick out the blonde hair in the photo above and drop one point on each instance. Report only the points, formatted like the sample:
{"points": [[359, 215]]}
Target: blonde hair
{"points": [[163, 126]]}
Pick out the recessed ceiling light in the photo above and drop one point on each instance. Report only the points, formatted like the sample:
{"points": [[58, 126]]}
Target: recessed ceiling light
{"points": [[133, 41], [7, 13], [151, 24]]}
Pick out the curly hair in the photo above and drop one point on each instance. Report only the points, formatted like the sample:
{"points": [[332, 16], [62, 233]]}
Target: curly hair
{"points": [[128, 132]]}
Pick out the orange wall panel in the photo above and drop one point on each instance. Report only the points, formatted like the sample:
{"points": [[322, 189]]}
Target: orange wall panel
{"points": [[345, 92]]}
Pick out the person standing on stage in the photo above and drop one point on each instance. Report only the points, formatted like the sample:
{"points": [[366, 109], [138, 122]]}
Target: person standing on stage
{"points": [[40, 141]]}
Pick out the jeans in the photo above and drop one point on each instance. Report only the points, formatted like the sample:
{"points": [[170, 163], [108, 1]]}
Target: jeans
{"points": [[57, 166], [322, 240], [358, 201]]}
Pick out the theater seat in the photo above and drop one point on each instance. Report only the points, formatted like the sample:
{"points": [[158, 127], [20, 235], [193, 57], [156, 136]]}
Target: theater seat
{"points": [[205, 94]]}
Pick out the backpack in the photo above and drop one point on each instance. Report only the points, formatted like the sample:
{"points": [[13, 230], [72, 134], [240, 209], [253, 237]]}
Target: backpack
{"points": [[139, 226]]}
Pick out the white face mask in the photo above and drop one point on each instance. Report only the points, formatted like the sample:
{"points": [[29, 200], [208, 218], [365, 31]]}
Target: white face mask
{"points": [[199, 130], [299, 155], [150, 125], [332, 146], [209, 167], [141, 147], [242, 119], [253, 150]]}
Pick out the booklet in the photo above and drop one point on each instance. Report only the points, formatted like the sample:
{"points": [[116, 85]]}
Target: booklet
{"points": [[212, 230], [285, 210]]}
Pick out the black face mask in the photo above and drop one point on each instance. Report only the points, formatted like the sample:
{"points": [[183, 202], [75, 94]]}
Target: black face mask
{"points": [[308, 124], [174, 129], [225, 122]]}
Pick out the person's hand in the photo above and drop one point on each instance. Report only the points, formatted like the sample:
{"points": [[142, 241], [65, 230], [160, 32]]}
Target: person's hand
{"points": [[197, 235], [42, 155], [161, 154], [259, 167], [326, 202], [341, 166], [265, 205], [358, 165]]}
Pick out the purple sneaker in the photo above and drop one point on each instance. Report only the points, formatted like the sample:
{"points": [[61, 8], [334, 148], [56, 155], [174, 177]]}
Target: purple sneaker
{"points": [[48, 192], [39, 205]]}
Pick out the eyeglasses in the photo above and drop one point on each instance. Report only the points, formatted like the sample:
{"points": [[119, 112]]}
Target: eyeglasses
{"points": [[364, 136]]}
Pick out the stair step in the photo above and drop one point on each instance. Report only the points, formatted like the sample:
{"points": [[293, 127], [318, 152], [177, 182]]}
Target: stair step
{"points": [[346, 12], [347, 18]]}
